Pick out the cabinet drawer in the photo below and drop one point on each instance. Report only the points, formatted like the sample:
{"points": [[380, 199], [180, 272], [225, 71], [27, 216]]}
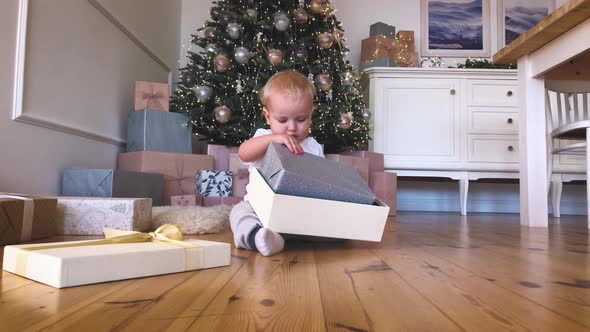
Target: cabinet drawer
{"points": [[486, 120], [493, 148], [492, 93]]}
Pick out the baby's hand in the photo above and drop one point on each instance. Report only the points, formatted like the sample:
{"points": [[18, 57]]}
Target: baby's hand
{"points": [[289, 141]]}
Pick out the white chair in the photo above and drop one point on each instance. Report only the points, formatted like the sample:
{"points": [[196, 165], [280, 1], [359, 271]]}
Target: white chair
{"points": [[568, 125]]}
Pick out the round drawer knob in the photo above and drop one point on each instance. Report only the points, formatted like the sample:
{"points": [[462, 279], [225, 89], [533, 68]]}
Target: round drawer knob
{"points": [[510, 148], [510, 120], [509, 93], [453, 92]]}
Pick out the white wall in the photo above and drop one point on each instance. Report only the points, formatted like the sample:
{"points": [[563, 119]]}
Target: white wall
{"points": [[81, 65]]}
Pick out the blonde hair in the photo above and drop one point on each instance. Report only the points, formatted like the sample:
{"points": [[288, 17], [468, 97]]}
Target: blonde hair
{"points": [[287, 81]]}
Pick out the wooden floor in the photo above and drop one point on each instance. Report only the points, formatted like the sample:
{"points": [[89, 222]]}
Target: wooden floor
{"points": [[432, 271]]}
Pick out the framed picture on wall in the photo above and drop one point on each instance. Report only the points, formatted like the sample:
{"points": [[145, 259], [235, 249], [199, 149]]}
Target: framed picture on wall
{"points": [[517, 16], [455, 28]]}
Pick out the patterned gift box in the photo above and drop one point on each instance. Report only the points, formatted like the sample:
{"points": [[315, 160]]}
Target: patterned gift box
{"points": [[221, 154], [24, 218], [360, 164], [214, 183], [213, 201], [89, 215], [381, 28], [375, 160], [112, 183], [150, 95], [186, 200], [384, 184], [178, 169], [311, 176], [149, 130]]}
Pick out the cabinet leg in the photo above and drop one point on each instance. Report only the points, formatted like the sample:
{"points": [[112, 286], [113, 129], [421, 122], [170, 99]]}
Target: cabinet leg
{"points": [[556, 189], [463, 189]]}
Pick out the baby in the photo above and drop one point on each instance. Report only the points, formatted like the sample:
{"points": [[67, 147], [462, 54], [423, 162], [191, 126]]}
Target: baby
{"points": [[287, 100]]}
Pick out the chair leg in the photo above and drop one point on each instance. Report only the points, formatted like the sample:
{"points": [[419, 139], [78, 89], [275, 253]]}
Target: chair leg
{"points": [[556, 190], [463, 189]]}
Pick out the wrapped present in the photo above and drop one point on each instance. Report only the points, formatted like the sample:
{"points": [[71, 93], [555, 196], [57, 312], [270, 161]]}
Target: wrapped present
{"points": [[89, 215], [221, 155], [360, 164], [240, 175], [121, 255], [149, 130], [376, 47], [384, 184], [214, 183], [381, 28], [153, 96], [316, 217], [375, 160], [213, 201], [380, 62], [25, 218], [312, 176], [186, 200], [178, 169], [81, 182]]}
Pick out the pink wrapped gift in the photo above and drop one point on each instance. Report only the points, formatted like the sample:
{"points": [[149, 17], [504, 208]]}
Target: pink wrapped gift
{"points": [[241, 178], [212, 201], [186, 200], [221, 155], [359, 163], [178, 169], [384, 185], [375, 159], [151, 96]]}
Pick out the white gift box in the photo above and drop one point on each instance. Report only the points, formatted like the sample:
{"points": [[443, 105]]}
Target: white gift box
{"points": [[316, 217], [89, 215], [81, 265]]}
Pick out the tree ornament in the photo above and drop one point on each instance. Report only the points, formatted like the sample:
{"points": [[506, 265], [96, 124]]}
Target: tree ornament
{"points": [[301, 53], [215, 13], [327, 10], [317, 6], [282, 22], [252, 14], [241, 54], [234, 30], [301, 3], [188, 79], [325, 40], [209, 32], [348, 78], [239, 87], [300, 15], [323, 81], [366, 114], [222, 114], [338, 35], [345, 121], [225, 18], [274, 56], [212, 48], [203, 93], [221, 63]]}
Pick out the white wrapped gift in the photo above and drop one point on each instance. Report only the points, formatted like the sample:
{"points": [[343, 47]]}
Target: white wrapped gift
{"points": [[122, 255], [89, 215]]}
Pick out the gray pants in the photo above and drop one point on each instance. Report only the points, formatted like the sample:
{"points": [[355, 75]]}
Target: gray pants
{"points": [[243, 221]]}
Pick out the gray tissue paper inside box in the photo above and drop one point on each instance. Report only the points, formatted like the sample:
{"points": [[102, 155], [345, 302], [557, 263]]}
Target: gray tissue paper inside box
{"points": [[311, 176]]}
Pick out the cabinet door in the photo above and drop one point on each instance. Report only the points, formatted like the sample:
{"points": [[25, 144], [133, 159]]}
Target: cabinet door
{"points": [[417, 121]]}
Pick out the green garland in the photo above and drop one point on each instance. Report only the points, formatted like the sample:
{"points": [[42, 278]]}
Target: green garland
{"points": [[484, 63]]}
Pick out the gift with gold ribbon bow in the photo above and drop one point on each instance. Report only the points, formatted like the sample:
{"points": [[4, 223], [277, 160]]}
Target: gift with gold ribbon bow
{"points": [[153, 96]]}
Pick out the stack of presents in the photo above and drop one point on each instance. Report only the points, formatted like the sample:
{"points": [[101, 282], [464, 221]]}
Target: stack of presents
{"points": [[347, 196], [386, 48]]}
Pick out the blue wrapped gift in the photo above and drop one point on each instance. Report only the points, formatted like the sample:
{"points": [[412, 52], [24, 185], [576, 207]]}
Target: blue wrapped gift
{"points": [[312, 176], [214, 183], [381, 28], [112, 183], [149, 130]]}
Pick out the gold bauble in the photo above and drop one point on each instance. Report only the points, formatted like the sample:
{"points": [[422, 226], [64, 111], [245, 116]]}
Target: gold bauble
{"points": [[324, 82], [222, 114], [274, 56], [220, 63], [345, 121], [317, 6], [326, 40], [300, 15]]}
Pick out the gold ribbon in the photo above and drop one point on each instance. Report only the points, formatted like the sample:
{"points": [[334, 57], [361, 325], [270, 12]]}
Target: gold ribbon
{"points": [[167, 233], [153, 99]]}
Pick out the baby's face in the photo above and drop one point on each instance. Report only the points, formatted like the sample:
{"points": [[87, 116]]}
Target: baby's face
{"points": [[288, 114]]}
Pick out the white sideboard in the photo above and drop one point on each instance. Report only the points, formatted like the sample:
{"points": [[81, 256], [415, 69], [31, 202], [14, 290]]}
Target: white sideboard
{"points": [[455, 123]]}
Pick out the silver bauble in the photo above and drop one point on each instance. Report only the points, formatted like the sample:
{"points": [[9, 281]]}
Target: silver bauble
{"points": [[367, 114], [348, 78], [241, 54], [252, 14], [345, 121], [282, 22], [222, 114], [203, 93], [212, 48], [301, 53], [234, 30]]}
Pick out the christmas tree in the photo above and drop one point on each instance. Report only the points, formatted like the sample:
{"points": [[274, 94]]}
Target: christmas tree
{"points": [[244, 44]]}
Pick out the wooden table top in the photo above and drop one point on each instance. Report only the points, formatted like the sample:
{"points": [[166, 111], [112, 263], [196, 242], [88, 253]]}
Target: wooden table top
{"points": [[557, 23]]}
